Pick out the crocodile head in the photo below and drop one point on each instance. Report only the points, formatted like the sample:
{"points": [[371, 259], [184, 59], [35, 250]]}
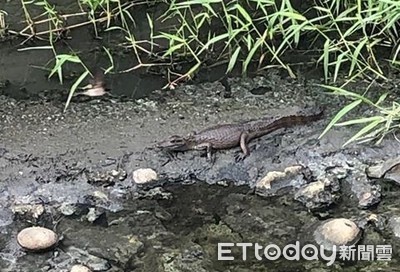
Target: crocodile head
{"points": [[173, 143]]}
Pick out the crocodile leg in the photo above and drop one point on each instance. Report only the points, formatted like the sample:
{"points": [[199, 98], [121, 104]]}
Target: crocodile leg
{"points": [[240, 156], [243, 143], [209, 152], [207, 147]]}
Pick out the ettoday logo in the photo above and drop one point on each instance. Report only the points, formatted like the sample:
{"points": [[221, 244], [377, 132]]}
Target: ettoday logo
{"points": [[295, 252], [272, 252]]}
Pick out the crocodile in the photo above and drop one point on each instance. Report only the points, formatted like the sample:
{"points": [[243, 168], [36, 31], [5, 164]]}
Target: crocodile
{"points": [[226, 136]]}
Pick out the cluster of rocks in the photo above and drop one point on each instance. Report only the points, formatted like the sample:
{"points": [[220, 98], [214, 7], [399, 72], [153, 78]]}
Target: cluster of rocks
{"points": [[318, 186], [40, 239], [318, 183], [321, 187]]}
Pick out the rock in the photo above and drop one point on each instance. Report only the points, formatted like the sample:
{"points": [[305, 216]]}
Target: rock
{"points": [[394, 174], [338, 164], [266, 181], [80, 268], [106, 178], [97, 216], [377, 221], [67, 209], [33, 211], [37, 238], [156, 193], [339, 172], [319, 194], [276, 181], [367, 194], [378, 171], [119, 249], [337, 232], [390, 169], [100, 196], [144, 175], [368, 199], [94, 262], [135, 245]]}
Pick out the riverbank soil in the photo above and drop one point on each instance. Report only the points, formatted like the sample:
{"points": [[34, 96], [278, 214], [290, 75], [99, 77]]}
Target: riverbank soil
{"points": [[72, 172]]}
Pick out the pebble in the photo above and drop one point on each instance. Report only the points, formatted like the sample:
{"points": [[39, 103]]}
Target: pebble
{"points": [[34, 211], [144, 175], [95, 263], [378, 171], [337, 232], [319, 194], [67, 209], [266, 182], [80, 268], [274, 181], [368, 194], [37, 238], [94, 214], [394, 174]]}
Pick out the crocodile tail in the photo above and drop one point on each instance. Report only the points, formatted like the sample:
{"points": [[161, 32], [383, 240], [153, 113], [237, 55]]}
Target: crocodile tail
{"points": [[294, 120], [314, 117]]}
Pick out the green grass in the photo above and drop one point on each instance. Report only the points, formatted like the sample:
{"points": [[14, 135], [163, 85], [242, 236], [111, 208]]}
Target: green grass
{"points": [[346, 39], [3, 25], [375, 127], [261, 31]]}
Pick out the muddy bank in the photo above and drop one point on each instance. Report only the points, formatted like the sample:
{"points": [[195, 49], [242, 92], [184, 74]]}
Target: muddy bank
{"points": [[73, 173]]}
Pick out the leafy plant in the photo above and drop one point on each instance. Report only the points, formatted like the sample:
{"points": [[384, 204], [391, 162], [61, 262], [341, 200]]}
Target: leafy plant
{"points": [[247, 32], [375, 127], [345, 38]]}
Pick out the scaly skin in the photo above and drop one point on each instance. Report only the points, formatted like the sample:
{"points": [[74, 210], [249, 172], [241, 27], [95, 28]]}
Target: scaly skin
{"points": [[231, 135]]}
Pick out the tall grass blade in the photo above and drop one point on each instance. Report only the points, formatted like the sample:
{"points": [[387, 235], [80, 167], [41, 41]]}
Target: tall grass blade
{"points": [[339, 116], [74, 87], [363, 131]]}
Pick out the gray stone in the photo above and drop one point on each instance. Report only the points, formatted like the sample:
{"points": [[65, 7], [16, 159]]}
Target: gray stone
{"points": [[368, 194], [393, 174], [319, 194], [67, 209], [378, 171], [95, 263], [28, 210]]}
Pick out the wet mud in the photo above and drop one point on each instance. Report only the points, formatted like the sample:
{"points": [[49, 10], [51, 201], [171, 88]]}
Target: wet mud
{"points": [[72, 172]]}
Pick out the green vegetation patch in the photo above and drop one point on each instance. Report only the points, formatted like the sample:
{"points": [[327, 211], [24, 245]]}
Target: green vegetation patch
{"points": [[348, 39]]}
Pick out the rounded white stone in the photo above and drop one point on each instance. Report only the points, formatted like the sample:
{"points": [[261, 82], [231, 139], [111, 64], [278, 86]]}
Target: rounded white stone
{"points": [[337, 232], [37, 238], [144, 175], [80, 268]]}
